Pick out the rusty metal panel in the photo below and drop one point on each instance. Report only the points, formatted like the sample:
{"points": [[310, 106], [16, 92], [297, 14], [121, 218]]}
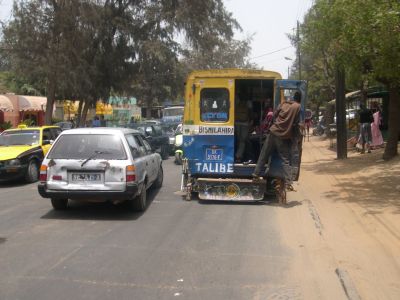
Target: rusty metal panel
{"points": [[231, 189]]}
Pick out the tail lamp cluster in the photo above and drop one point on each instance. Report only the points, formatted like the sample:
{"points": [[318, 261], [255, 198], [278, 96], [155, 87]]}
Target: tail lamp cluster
{"points": [[43, 173], [130, 174]]}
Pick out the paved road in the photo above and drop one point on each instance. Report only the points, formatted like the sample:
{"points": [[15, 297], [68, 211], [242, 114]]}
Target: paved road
{"points": [[174, 250]]}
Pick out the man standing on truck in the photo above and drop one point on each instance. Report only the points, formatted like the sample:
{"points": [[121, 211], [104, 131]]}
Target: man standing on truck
{"points": [[243, 119], [284, 132]]}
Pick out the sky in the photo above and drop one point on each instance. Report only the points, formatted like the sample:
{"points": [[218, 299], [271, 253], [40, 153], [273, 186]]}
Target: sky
{"points": [[268, 20]]}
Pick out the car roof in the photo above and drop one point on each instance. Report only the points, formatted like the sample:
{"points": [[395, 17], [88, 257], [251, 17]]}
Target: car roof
{"points": [[100, 130], [32, 128]]}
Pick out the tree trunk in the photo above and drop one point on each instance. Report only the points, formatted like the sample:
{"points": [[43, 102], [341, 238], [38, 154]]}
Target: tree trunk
{"points": [[50, 102], [341, 128], [364, 92], [394, 130], [149, 107], [85, 112], [79, 114]]}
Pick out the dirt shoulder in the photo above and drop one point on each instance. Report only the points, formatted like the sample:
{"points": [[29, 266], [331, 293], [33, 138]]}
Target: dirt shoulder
{"points": [[355, 205], [342, 225]]}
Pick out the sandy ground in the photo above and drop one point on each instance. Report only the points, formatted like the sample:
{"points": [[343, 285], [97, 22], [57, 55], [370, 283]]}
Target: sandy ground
{"points": [[343, 224]]}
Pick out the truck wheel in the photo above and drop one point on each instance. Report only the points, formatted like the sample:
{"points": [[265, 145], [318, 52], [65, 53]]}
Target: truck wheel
{"points": [[59, 204], [164, 152], [32, 173], [139, 202], [160, 177]]}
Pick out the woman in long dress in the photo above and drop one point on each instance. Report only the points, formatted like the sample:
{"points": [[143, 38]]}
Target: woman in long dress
{"points": [[377, 139]]}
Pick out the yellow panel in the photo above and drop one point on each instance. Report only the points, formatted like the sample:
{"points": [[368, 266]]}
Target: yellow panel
{"points": [[217, 78]]}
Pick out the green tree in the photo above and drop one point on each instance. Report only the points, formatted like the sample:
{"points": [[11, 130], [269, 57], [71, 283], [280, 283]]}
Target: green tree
{"points": [[366, 42], [83, 49]]}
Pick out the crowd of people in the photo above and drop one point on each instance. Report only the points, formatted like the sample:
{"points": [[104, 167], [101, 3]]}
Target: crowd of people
{"points": [[370, 136]]}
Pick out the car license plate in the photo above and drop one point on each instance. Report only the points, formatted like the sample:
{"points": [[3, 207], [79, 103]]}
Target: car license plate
{"points": [[214, 154], [86, 177]]}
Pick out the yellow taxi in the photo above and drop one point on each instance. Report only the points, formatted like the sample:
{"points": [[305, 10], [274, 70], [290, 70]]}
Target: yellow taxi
{"points": [[22, 150]]}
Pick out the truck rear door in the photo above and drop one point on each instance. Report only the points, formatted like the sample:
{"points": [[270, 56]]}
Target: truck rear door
{"points": [[209, 142]]}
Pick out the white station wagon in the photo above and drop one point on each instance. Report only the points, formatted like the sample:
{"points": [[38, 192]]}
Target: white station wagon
{"points": [[98, 165]]}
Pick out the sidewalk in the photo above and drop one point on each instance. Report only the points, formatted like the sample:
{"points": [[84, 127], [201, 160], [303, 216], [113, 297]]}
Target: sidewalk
{"points": [[357, 203]]}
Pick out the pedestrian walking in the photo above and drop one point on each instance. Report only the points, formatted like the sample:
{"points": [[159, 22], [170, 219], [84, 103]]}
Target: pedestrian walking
{"points": [[377, 139], [366, 119]]}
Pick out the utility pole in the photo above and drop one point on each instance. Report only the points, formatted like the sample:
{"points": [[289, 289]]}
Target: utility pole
{"points": [[341, 128], [298, 48]]}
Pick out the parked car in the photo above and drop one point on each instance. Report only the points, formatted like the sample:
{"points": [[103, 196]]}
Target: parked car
{"points": [[169, 130], [155, 136], [64, 125], [100, 164], [22, 150]]}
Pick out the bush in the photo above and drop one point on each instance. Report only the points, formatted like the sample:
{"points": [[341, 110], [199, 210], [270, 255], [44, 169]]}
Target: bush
{"points": [[5, 126]]}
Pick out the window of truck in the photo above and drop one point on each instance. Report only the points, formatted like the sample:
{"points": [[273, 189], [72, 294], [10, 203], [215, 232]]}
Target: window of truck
{"points": [[214, 105]]}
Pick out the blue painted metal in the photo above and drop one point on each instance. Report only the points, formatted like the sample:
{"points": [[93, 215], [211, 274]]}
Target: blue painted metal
{"points": [[209, 154]]}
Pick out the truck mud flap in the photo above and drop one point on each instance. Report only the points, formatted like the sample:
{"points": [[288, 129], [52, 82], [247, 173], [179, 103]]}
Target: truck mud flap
{"points": [[230, 189]]}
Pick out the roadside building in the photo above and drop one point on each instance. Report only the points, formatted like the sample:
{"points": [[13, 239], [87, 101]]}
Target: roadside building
{"points": [[20, 108]]}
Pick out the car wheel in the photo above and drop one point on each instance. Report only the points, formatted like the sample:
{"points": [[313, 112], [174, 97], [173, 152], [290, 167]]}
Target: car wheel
{"points": [[139, 202], [32, 173], [59, 204], [160, 177], [164, 152]]}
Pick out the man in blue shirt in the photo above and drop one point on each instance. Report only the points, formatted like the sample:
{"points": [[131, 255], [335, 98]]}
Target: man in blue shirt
{"points": [[96, 122]]}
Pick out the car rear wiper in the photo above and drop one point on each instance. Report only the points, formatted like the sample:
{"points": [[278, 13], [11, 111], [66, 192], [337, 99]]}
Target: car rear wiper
{"points": [[93, 156]]}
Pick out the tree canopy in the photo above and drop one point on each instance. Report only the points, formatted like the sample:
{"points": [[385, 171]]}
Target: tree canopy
{"points": [[363, 37], [85, 49]]}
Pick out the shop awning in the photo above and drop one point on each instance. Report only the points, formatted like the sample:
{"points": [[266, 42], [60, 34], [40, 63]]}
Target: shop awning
{"points": [[32, 103], [5, 104]]}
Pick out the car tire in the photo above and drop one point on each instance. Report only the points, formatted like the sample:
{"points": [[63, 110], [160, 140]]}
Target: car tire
{"points": [[59, 204], [32, 172], [164, 152], [160, 178], [140, 201]]}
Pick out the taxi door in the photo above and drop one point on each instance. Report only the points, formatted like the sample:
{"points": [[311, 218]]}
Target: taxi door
{"points": [[208, 139], [46, 140]]}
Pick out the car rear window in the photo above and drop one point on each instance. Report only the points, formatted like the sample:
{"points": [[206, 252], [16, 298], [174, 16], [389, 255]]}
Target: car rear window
{"points": [[19, 137], [83, 146]]}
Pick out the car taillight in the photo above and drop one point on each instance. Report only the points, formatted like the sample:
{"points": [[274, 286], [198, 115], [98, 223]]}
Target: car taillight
{"points": [[43, 173], [130, 174]]}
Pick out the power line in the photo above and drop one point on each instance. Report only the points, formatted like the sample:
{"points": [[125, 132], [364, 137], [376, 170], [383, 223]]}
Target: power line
{"points": [[270, 52]]}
